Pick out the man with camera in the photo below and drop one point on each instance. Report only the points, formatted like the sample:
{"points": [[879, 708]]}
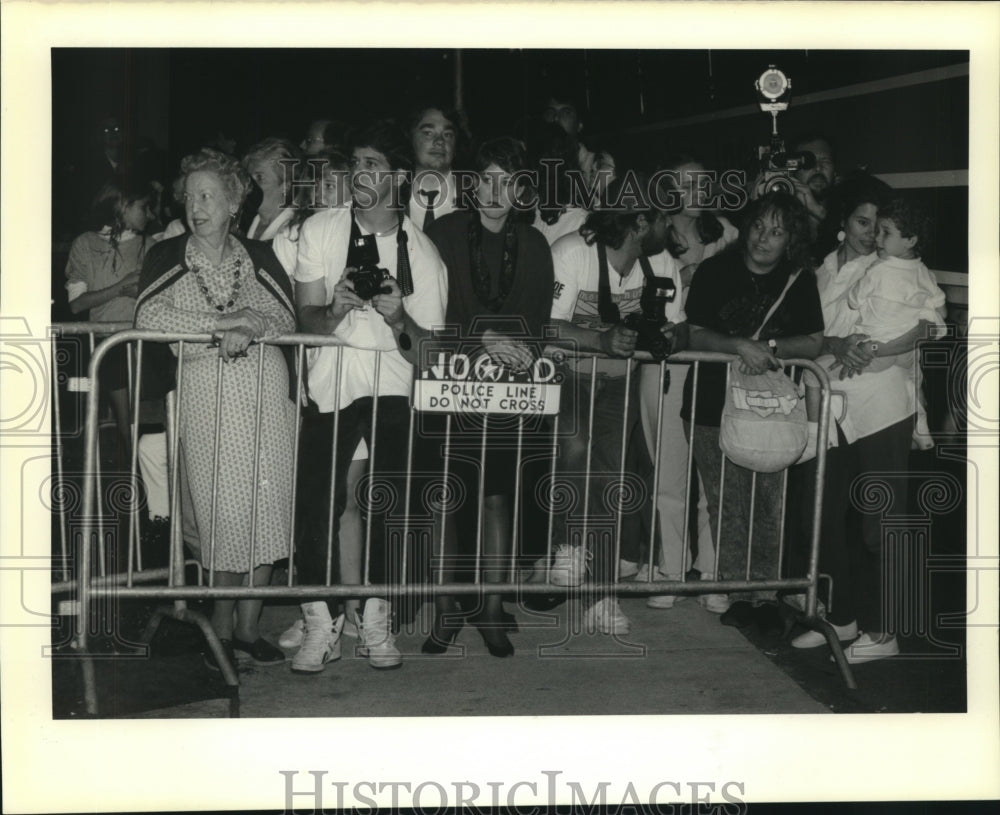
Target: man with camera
{"points": [[616, 291], [367, 276]]}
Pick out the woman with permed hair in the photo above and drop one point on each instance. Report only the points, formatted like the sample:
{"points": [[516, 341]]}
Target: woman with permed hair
{"points": [[212, 282]]}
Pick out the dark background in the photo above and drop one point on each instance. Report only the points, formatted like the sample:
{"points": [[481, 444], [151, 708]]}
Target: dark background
{"points": [[180, 98]]}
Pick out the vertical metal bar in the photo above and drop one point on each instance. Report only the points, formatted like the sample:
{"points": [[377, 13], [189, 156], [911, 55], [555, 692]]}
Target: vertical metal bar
{"points": [[175, 510], [823, 434], [408, 488], [91, 506], [551, 502], [300, 368], [590, 452], [753, 507], [371, 471], [515, 522], [722, 497], [94, 383], [261, 349], [480, 499], [686, 534], [132, 537], [333, 471], [62, 486], [219, 368], [444, 496], [657, 445], [621, 478]]}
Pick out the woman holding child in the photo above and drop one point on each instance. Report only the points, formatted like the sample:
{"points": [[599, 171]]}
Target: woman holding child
{"points": [[873, 280]]}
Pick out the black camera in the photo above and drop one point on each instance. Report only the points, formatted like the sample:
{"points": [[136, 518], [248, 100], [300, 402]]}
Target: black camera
{"points": [[652, 316], [776, 163], [368, 278]]}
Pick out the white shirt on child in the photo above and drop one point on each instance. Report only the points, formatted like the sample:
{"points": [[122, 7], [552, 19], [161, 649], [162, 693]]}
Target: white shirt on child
{"points": [[893, 296]]}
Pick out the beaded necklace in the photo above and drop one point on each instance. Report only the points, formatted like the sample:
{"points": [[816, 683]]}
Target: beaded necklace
{"points": [[199, 276]]}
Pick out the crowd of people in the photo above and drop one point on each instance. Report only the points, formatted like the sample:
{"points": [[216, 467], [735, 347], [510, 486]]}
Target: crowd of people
{"points": [[541, 237]]}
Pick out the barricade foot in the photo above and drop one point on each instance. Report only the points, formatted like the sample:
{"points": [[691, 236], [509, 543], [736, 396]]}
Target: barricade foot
{"points": [[185, 615], [821, 625]]}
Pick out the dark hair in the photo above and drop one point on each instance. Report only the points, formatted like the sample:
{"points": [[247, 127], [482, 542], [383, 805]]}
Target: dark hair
{"points": [[910, 219], [610, 223], [334, 134], [794, 220], [417, 114], [813, 135], [550, 143], [509, 155], [108, 210], [855, 189], [385, 136], [335, 159]]}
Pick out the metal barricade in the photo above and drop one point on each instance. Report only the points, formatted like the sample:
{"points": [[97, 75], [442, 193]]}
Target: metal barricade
{"points": [[91, 589]]}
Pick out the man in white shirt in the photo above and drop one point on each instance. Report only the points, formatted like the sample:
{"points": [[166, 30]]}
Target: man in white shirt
{"points": [[600, 276], [433, 133], [382, 335]]}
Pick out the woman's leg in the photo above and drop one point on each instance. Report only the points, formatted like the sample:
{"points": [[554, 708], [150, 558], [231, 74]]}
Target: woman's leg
{"points": [[349, 540], [248, 611]]}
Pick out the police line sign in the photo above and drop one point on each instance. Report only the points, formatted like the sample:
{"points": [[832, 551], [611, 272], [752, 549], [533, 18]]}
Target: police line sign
{"points": [[456, 383]]}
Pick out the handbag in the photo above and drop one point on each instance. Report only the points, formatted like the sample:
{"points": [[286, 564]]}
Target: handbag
{"points": [[763, 425]]}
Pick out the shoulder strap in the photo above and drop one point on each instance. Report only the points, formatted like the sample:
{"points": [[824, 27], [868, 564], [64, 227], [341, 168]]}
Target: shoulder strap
{"points": [[647, 270], [774, 306], [608, 310]]}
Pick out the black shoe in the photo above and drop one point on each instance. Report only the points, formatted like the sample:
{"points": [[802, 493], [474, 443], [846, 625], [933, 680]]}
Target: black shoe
{"points": [[442, 635], [494, 636], [542, 602], [209, 657], [740, 615], [261, 650]]}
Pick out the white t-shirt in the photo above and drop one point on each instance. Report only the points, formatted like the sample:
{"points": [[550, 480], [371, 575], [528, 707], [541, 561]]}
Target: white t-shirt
{"points": [[444, 203], [322, 255], [577, 272]]}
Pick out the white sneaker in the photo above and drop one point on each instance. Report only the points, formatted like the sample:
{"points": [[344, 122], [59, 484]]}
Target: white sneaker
{"points": [[661, 601], [375, 635], [291, 637], [813, 639], [607, 617], [321, 642], [715, 603], [569, 565], [627, 568], [865, 649]]}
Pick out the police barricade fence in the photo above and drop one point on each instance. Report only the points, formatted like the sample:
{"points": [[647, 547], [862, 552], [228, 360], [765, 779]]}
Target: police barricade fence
{"points": [[90, 588]]}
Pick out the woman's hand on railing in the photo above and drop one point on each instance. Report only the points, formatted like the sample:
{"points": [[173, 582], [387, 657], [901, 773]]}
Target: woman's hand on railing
{"points": [[234, 343], [246, 319], [504, 350], [756, 357]]}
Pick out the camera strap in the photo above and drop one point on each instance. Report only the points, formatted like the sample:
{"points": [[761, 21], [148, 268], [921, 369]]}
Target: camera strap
{"points": [[605, 306], [404, 276]]}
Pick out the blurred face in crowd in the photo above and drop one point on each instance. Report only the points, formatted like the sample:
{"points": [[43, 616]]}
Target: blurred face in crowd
{"points": [[371, 176], [691, 188], [111, 133], [496, 195], [268, 175], [434, 140], [604, 171], [336, 186], [206, 205], [654, 240], [819, 179], [859, 230], [891, 243], [767, 240], [563, 114], [136, 215], [314, 140]]}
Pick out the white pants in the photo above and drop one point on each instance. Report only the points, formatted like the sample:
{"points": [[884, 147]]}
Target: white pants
{"points": [[673, 472], [152, 456]]}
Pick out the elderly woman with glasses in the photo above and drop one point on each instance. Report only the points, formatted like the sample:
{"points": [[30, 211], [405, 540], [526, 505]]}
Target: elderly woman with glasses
{"points": [[239, 464]]}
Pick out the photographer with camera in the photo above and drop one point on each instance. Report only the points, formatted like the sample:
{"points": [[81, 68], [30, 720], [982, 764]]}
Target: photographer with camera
{"points": [[616, 291], [366, 275]]}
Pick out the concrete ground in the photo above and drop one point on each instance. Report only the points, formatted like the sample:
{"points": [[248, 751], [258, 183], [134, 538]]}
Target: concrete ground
{"points": [[677, 661]]}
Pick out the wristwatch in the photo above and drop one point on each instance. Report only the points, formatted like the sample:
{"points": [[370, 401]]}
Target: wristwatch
{"points": [[772, 345]]}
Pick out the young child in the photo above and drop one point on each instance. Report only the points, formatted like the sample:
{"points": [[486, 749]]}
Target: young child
{"points": [[891, 298]]}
